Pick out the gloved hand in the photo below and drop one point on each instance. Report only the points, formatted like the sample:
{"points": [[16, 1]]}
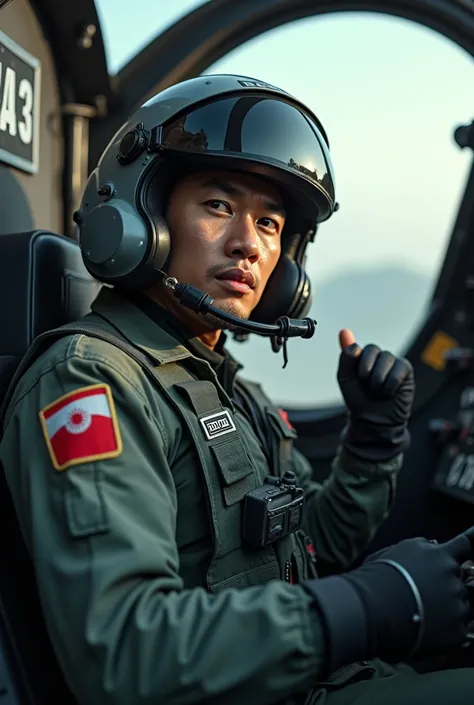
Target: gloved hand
{"points": [[407, 600], [378, 389]]}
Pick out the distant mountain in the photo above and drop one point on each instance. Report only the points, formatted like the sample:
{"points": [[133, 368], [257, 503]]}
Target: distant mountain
{"points": [[384, 306]]}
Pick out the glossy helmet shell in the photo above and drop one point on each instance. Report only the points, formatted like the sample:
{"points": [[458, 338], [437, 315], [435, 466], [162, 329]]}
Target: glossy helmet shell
{"points": [[211, 122]]}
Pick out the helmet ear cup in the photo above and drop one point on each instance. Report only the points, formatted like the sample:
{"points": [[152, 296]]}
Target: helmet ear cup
{"points": [[148, 272], [136, 243], [131, 255], [288, 293], [303, 296]]}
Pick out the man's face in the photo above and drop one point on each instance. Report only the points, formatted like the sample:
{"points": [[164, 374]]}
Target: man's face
{"points": [[226, 236]]}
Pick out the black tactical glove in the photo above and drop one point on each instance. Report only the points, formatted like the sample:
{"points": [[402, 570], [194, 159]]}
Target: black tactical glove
{"points": [[406, 600], [378, 389]]}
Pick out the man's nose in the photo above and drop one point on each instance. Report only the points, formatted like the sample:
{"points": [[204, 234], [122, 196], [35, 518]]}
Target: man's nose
{"points": [[243, 242]]}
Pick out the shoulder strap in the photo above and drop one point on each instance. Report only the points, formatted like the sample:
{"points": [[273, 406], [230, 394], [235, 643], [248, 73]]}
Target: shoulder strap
{"points": [[43, 341]]}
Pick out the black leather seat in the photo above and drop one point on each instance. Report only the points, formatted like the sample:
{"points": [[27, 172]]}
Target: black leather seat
{"points": [[43, 284]]}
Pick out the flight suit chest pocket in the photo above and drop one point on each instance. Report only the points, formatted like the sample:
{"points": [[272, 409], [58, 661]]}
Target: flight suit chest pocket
{"points": [[214, 430], [84, 504]]}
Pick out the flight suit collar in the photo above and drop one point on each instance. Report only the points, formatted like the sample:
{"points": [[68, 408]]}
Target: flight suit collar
{"points": [[137, 327], [159, 334], [219, 359]]}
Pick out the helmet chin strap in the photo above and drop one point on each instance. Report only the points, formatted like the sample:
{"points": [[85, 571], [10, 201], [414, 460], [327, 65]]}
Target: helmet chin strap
{"points": [[283, 328]]}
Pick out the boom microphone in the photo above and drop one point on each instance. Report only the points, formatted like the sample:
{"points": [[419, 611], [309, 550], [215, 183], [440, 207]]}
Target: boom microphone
{"points": [[199, 302]]}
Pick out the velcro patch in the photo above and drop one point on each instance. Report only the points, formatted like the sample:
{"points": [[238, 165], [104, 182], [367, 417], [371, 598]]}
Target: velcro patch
{"points": [[216, 425], [81, 427]]}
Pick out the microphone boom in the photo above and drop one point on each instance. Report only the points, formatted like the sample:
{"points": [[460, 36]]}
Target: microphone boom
{"points": [[199, 302]]}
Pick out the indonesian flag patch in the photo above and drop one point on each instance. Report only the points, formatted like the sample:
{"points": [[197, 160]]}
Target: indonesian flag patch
{"points": [[81, 427]]}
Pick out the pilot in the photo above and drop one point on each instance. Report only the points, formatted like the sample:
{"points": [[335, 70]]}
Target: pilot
{"points": [[143, 466]]}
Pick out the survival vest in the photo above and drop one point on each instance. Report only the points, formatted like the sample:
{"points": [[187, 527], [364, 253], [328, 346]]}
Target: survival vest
{"points": [[226, 466]]}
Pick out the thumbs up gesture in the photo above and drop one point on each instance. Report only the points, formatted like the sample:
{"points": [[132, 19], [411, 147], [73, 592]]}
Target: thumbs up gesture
{"points": [[378, 389]]}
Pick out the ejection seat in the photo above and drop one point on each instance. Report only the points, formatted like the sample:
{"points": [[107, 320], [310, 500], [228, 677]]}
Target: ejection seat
{"points": [[43, 284]]}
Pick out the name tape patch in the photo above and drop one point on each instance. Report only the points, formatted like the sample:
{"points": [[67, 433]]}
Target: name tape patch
{"points": [[217, 425]]}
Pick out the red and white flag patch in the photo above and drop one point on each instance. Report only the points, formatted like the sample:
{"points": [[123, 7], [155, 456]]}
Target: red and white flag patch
{"points": [[285, 417], [81, 427]]}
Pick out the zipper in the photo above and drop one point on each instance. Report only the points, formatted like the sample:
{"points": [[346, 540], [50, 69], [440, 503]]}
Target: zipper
{"points": [[288, 576]]}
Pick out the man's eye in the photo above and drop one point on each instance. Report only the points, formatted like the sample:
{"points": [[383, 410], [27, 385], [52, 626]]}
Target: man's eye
{"points": [[269, 223], [216, 205]]}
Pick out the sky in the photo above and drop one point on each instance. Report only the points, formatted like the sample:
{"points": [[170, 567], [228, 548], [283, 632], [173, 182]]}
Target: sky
{"points": [[390, 94]]}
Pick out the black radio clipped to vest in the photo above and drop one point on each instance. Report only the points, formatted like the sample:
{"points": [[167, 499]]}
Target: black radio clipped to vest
{"points": [[273, 510]]}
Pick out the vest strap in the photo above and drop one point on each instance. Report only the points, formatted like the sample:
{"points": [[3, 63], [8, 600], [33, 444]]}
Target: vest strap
{"points": [[219, 431], [227, 479]]}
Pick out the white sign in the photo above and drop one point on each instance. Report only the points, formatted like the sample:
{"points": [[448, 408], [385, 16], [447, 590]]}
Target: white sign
{"points": [[20, 87]]}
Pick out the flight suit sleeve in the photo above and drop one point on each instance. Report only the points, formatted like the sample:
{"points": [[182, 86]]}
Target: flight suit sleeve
{"points": [[343, 513], [102, 534]]}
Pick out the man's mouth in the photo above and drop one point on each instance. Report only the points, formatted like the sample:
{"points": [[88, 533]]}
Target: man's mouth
{"points": [[240, 280]]}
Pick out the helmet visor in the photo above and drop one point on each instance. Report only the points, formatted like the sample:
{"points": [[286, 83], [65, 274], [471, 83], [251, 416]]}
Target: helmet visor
{"points": [[263, 132]]}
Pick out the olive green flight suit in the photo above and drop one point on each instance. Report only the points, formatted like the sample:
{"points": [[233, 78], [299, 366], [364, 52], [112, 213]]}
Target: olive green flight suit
{"points": [[148, 592]]}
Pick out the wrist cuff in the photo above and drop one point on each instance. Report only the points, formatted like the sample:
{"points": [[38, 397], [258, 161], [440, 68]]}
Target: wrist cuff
{"points": [[374, 443], [344, 620], [348, 462]]}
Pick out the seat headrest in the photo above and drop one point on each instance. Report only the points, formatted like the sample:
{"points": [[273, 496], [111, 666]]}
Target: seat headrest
{"points": [[43, 284]]}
